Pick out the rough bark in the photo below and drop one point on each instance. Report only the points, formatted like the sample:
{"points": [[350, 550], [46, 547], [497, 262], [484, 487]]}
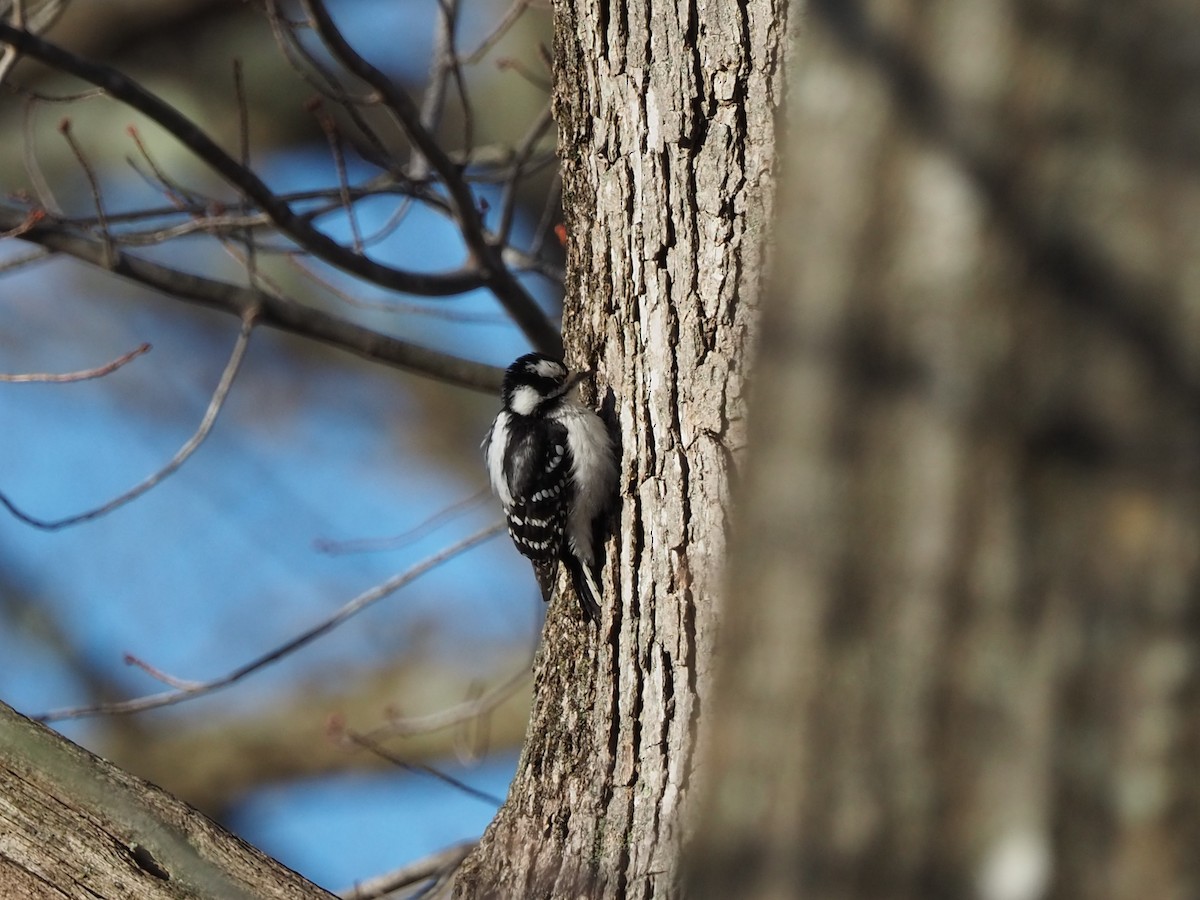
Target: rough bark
{"points": [[965, 660], [667, 133], [72, 825]]}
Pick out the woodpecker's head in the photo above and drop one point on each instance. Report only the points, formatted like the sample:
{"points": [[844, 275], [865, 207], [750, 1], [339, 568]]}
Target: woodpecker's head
{"points": [[535, 383]]}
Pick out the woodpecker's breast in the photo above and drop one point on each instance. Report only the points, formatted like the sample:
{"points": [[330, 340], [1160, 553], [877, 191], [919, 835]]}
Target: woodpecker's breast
{"points": [[594, 465], [497, 440]]}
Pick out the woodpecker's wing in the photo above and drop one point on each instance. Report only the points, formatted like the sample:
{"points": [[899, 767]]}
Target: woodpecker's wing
{"points": [[537, 473]]}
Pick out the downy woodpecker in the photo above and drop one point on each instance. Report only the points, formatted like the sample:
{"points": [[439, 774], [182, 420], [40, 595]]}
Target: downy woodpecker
{"points": [[550, 461]]}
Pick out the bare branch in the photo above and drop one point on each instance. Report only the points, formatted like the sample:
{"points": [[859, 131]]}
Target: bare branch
{"points": [[508, 204], [441, 311], [513, 64], [239, 90], [448, 65], [280, 313], [334, 138], [39, 19], [442, 63], [468, 711], [395, 542], [350, 609], [184, 453], [548, 210], [295, 226], [159, 675], [77, 826], [304, 64], [502, 27], [361, 740], [16, 229], [29, 156], [511, 294], [64, 128], [82, 375], [436, 866], [179, 196]]}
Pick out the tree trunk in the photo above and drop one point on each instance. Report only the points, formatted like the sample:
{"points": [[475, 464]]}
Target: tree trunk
{"points": [[965, 656], [667, 138], [71, 825]]}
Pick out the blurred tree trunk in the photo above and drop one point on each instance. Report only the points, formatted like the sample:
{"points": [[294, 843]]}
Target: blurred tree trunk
{"points": [[961, 653], [666, 118]]}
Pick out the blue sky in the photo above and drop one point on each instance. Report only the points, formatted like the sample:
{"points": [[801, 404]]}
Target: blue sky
{"points": [[218, 563]]}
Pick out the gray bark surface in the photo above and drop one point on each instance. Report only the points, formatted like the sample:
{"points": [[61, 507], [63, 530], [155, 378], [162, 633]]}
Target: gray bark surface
{"points": [[666, 118], [72, 825]]}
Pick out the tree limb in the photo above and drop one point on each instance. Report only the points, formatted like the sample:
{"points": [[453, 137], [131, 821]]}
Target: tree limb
{"points": [[72, 824], [499, 279], [489, 270], [275, 312]]}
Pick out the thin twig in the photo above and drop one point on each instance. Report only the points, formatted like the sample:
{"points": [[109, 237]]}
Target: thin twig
{"points": [[333, 137], [408, 726], [508, 203], [33, 166], [308, 67], [304, 64], [549, 208], [43, 97], [348, 610], [189, 447], [450, 64], [433, 104], [212, 225], [506, 22], [64, 128], [398, 541], [361, 740], [32, 217], [177, 194], [430, 867], [397, 216], [203, 218], [82, 375], [510, 63], [159, 675], [239, 90], [9, 57]]}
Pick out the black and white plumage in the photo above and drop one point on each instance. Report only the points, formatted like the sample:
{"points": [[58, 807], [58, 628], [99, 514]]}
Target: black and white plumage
{"points": [[550, 461]]}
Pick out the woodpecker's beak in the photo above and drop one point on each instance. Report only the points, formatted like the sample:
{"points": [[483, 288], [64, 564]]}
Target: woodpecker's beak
{"points": [[571, 383]]}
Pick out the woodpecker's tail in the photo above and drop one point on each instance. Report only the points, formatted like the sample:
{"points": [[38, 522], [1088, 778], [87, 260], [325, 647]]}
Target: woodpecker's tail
{"points": [[587, 589], [547, 574]]}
